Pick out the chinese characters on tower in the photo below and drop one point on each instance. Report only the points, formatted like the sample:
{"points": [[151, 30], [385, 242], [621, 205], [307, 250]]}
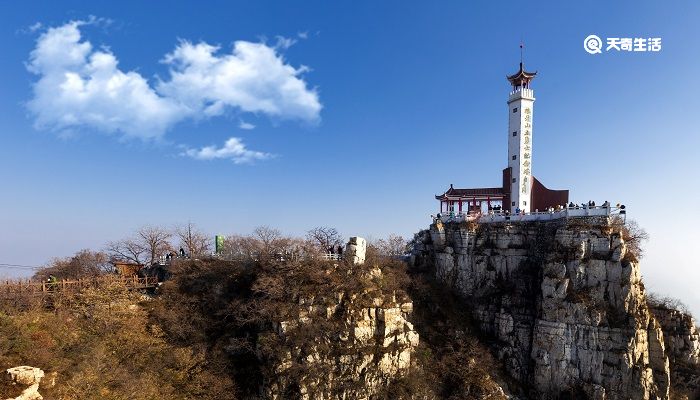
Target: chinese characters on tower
{"points": [[525, 168]]}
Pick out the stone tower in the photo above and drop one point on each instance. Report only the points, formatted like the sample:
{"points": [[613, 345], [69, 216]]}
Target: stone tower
{"points": [[520, 112]]}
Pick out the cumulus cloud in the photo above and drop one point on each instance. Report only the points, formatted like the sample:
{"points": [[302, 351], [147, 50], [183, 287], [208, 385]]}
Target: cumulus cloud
{"points": [[253, 78], [79, 86], [233, 149]]}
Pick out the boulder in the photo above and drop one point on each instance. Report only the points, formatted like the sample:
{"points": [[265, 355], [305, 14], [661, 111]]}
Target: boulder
{"points": [[27, 377]]}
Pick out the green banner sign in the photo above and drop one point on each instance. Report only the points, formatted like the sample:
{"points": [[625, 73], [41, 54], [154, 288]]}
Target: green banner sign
{"points": [[219, 240]]}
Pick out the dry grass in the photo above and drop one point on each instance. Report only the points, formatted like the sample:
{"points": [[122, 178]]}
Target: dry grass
{"points": [[102, 347]]}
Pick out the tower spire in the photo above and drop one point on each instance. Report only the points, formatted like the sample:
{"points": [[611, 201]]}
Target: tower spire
{"points": [[522, 78], [521, 54]]}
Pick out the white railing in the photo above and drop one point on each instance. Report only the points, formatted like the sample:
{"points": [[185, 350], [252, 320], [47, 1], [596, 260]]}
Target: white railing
{"points": [[331, 257], [522, 92], [501, 216]]}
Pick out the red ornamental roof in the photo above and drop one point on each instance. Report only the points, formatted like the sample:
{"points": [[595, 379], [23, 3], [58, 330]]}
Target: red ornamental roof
{"points": [[473, 192], [522, 77]]}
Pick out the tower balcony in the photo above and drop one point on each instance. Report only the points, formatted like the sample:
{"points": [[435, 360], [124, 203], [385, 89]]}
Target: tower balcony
{"points": [[521, 93]]}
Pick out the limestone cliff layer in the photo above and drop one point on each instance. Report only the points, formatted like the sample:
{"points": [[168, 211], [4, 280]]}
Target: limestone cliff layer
{"points": [[346, 347], [562, 304]]}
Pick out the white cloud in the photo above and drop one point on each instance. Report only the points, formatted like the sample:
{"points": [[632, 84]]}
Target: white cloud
{"points": [[253, 78], [284, 42], [35, 26], [232, 149], [246, 125], [79, 86]]}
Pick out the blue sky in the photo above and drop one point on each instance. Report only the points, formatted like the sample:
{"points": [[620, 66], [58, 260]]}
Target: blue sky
{"points": [[365, 111]]}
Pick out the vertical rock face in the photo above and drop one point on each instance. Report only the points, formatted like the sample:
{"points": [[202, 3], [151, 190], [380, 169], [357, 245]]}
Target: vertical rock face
{"points": [[564, 305], [682, 341], [347, 347]]}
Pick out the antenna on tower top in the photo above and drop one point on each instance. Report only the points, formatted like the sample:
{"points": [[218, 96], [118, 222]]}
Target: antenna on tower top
{"points": [[521, 52]]}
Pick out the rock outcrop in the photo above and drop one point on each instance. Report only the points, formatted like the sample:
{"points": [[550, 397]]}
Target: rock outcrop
{"points": [[27, 379], [562, 303], [355, 250], [354, 344], [682, 341]]}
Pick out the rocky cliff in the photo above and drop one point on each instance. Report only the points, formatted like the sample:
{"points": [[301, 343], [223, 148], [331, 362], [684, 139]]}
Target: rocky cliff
{"points": [[355, 344], [561, 303], [682, 341], [294, 329]]}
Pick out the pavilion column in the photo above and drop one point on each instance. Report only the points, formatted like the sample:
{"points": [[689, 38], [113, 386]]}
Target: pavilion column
{"points": [[460, 206]]}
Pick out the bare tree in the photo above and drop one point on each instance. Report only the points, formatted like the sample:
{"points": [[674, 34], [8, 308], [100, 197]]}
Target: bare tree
{"points": [[326, 237], [238, 247], [269, 240], [147, 245], [129, 250], [303, 248], [633, 235], [655, 300], [83, 264], [193, 240], [393, 246], [155, 240]]}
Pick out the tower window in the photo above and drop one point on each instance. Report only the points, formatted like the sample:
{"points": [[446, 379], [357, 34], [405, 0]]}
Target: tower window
{"points": [[512, 204], [514, 157], [524, 203], [515, 110], [515, 133], [513, 180]]}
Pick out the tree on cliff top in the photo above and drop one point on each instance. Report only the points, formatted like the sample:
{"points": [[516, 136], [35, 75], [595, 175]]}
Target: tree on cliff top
{"points": [[146, 245], [84, 264], [193, 240], [392, 246], [325, 237], [633, 235]]}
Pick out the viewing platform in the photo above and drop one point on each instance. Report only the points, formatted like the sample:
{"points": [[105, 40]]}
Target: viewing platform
{"points": [[502, 216]]}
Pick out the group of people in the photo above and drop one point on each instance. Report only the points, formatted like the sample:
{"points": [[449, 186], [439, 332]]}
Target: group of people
{"points": [[590, 204], [171, 255], [334, 250], [498, 209]]}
